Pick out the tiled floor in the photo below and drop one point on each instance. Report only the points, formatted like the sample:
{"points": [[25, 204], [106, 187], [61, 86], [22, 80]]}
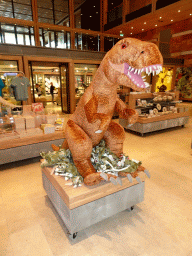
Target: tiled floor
{"points": [[159, 226]]}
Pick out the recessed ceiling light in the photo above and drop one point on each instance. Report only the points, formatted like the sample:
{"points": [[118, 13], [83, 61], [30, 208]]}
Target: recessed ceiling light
{"points": [[142, 29], [179, 10], [131, 27], [155, 25], [190, 14], [171, 20], [145, 22], [131, 33], [160, 17]]}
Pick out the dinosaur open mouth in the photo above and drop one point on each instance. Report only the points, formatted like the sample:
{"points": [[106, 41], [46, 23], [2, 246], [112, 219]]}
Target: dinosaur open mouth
{"points": [[136, 74]]}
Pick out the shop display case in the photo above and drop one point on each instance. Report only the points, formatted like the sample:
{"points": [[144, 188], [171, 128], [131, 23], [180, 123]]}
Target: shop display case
{"points": [[157, 111]]}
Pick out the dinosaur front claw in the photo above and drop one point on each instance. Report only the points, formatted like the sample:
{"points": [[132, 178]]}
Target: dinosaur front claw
{"points": [[98, 131]]}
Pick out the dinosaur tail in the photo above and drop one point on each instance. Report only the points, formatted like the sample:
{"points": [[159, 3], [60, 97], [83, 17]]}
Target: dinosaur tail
{"points": [[64, 146]]}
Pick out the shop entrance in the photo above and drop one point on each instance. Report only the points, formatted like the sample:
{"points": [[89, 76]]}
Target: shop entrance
{"points": [[49, 85]]}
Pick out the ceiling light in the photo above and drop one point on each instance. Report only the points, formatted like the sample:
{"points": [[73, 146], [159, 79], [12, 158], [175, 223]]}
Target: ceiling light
{"points": [[11, 66], [90, 16], [145, 22], [155, 25], [179, 10], [131, 33], [160, 17], [190, 14], [142, 29], [131, 27], [171, 20]]}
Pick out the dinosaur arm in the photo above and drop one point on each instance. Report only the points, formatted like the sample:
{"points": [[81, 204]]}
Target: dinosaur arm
{"points": [[92, 115], [125, 112]]}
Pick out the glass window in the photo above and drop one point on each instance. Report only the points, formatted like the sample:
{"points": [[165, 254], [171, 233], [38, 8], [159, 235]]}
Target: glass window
{"points": [[87, 14], [12, 34], [19, 9], [10, 38], [53, 12], [87, 42], [8, 70], [84, 74], [54, 39], [109, 42]]}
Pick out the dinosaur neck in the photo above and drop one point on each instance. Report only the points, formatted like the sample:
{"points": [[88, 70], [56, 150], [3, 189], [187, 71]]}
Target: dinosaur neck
{"points": [[102, 86]]}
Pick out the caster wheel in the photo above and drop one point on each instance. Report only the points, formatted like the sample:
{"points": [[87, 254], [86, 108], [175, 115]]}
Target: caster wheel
{"points": [[131, 208], [73, 236]]}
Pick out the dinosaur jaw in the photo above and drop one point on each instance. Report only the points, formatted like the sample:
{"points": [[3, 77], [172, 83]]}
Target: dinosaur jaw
{"points": [[135, 74]]}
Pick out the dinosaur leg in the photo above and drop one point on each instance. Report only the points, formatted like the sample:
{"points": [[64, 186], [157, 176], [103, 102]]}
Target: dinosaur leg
{"points": [[114, 138], [80, 146]]}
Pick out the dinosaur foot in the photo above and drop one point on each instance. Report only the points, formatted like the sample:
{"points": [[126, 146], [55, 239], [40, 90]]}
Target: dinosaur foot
{"points": [[130, 176], [96, 178]]}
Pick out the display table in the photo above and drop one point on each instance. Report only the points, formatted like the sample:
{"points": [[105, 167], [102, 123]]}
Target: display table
{"points": [[146, 125], [84, 206], [28, 147]]}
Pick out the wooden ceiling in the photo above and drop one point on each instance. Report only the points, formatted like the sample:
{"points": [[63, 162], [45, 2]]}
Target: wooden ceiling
{"points": [[165, 16]]}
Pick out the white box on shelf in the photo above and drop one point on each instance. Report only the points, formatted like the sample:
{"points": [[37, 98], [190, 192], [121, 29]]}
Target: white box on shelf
{"points": [[30, 122], [48, 128]]}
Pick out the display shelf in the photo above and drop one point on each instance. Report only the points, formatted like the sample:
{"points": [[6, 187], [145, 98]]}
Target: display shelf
{"points": [[157, 122], [18, 142], [28, 147]]}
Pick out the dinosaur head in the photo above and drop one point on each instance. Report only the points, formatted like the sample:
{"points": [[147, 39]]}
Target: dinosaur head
{"points": [[125, 63]]}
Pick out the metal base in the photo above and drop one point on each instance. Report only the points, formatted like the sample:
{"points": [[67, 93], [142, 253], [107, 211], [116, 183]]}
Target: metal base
{"points": [[91, 213]]}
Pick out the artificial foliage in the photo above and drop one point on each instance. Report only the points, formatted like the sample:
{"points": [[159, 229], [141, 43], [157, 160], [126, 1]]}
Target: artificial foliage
{"points": [[102, 159]]}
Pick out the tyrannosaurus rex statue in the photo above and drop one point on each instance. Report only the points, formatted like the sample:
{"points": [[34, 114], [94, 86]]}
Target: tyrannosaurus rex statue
{"points": [[92, 119]]}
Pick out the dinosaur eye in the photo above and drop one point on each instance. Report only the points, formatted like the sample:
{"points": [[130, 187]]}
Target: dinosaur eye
{"points": [[142, 52], [123, 46]]}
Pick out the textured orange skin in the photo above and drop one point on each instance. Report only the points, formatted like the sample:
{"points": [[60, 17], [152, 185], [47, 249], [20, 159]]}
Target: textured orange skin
{"points": [[97, 105]]}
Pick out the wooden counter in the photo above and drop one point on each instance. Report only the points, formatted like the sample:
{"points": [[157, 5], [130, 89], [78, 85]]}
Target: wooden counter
{"points": [[17, 142], [145, 120], [17, 149]]}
